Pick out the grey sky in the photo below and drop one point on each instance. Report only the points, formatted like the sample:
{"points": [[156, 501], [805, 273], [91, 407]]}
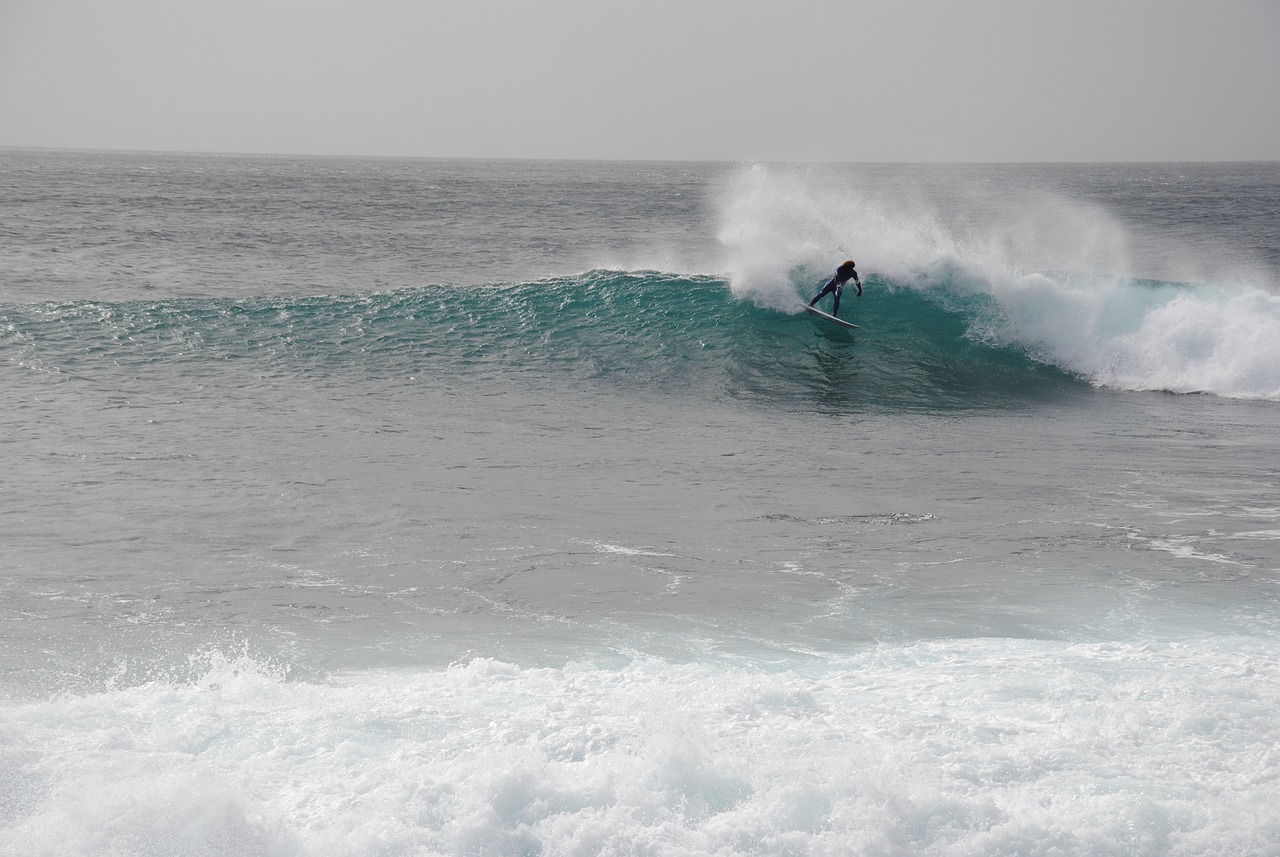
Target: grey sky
{"points": [[844, 80]]}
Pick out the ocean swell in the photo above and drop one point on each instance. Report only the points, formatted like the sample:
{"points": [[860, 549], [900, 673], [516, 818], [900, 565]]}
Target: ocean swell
{"points": [[944, 335]]}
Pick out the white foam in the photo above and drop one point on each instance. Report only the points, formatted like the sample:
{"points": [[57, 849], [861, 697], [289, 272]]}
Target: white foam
{"points": [[1265, 535], [962, 747], [1213, 339], [605, 547]]}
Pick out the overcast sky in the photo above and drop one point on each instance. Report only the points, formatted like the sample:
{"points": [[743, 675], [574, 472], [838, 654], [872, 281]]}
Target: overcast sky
{"points": [[839, 80]]}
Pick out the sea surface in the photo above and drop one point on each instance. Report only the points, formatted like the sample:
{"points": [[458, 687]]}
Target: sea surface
{"points": [[413, 507]]}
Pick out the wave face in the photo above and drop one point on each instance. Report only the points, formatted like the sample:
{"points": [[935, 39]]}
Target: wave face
{"points": [[944, 337]]}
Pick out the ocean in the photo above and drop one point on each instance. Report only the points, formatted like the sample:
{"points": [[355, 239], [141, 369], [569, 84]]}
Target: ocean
{"points": [[415, 507]]}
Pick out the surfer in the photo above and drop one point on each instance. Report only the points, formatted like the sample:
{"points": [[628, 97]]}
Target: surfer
{"points": [[844, 274]]}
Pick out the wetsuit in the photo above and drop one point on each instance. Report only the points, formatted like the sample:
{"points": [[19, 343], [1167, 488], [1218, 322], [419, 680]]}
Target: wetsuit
{"points": [[844, 274]]}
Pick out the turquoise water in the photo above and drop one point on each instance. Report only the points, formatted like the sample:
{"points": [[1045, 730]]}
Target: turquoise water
{"points": [[939, 344], [400, 507], [640, 330]]}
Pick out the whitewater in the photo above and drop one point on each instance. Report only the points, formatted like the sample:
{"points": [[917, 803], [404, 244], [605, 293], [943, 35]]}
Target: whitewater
{"points": [[405, 507]]}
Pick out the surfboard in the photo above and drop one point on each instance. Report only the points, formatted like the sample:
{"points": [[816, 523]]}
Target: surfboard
{"points": [[829, 317]]}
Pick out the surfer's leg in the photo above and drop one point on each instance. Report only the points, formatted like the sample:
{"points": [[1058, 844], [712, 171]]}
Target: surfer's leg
{"points": [[828, 287], [835, 307]]}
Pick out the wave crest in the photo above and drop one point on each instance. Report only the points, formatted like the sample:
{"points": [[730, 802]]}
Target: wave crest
{"points": [[944, 336]]}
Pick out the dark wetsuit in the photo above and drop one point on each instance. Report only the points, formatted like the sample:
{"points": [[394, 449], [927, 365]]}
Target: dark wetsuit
{"points": [[844, 274]]}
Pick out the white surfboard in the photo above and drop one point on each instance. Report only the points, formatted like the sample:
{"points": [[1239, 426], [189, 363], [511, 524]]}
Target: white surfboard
{"points": [[829, 317]]}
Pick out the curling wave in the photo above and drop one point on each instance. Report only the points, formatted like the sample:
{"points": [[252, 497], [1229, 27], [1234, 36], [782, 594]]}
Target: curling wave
{"points": [[942, 337]]}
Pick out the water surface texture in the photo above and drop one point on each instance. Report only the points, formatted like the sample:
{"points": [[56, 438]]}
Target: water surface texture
{"points": [[396, 507]]}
